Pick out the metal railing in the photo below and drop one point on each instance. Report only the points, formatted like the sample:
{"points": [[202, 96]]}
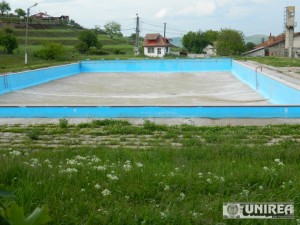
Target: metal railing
{"points": [[256, 78]]}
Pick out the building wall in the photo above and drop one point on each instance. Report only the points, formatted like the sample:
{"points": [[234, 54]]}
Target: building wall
{"points": [[260, 52], [155, 53], [297, 42], [277, 50]]}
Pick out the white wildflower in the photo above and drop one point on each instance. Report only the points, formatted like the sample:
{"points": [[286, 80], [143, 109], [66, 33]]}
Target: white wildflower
{"points": [[290, 182], [280, 164], [97, 186], [99, 168], [172, 174], [164, 214], [50, 166], [138, 164], [35, 162], [71, 162], [209, 181], [166, 188], [15, 153], [216, 177], [182, 196], [47, 161], [105, 192], [112, 177], [244, 193], [95, 159], [79, 157], [277, 160], [126, 197], [70, 170], [127, 167], [200, 175], [82, 190], [266, 168], [261, 188], [177, 169], [222, 179]]}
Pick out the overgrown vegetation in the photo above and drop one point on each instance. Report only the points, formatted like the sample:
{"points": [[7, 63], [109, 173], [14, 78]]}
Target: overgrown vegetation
{"points": [[50, 50], [8, 40], [112, 172]]}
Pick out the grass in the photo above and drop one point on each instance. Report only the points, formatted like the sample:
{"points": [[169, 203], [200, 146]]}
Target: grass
{"points": [[275, 61], [112, 172]]}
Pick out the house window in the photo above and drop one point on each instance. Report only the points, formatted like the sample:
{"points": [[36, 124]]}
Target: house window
{"points": [[159, 51], [150, 50]]}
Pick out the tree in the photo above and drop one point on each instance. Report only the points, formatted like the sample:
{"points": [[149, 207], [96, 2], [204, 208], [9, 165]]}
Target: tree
{"points": [[230, 42], [249, 46], [195, 42], [9, 41], [97, 29], [4, 7], [88, 39], [211, 36], [20, 12], [113, 29]]}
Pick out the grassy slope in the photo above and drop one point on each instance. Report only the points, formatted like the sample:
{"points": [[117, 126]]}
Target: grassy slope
{"points": [[155, 174], [68, 37]]}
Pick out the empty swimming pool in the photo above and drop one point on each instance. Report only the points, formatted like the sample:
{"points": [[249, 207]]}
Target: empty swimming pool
{"points": [[212, 88]]}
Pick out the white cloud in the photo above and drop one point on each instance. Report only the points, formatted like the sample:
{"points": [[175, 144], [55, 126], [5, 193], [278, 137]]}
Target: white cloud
{"points": [[202, 8], [162, 13]]}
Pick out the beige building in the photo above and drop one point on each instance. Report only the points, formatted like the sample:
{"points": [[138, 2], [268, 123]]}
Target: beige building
{"points": [[275, 46]]}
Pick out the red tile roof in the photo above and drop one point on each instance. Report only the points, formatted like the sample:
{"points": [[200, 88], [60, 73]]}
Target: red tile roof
{"points": [[156, 40], [272, 41]]}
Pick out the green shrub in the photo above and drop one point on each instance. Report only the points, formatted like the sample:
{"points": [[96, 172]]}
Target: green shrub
{"points": [[63, 123], [118, 52], [82, 47], [98, 52], [34, 133], [50, 50], [9, 41]]}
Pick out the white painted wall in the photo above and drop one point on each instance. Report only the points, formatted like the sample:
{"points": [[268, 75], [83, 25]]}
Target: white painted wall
{"points": [[155, 54], [296, 42]]}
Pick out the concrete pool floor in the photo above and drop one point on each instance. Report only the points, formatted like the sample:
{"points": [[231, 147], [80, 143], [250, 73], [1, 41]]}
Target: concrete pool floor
{"points": [[138, 89]]}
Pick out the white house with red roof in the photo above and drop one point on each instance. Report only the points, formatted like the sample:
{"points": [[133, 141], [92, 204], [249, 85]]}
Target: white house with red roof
{"points": [[156, 45]]}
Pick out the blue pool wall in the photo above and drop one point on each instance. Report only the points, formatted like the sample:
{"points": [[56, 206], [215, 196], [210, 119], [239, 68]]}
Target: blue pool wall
{"points": [[287, 97], [213, 112], [17, 81], [270, 88], [177, 65]]}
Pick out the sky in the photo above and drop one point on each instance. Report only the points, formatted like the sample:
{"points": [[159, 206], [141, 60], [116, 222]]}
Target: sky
{"points": [[181, 16]]}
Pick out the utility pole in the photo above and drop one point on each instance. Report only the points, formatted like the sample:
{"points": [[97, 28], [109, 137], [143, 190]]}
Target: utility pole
{"points": [[165, 28], [137, 35], [26, 35]]}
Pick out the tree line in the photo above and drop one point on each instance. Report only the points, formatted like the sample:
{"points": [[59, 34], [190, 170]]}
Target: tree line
{"points": [[227, 42]]}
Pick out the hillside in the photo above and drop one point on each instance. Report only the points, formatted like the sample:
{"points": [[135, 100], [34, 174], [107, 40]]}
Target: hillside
{"points": [[256, 39], [117, 48]]}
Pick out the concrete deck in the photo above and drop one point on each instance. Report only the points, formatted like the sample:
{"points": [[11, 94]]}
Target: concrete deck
{"points": [[138, 89]]}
